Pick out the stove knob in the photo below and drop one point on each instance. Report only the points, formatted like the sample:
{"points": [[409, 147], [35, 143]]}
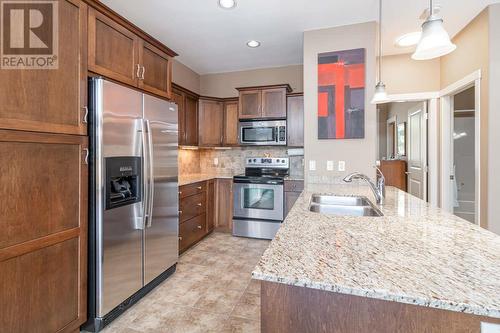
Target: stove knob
{"points": [[283, 161], [254, 160], [249, 160]]}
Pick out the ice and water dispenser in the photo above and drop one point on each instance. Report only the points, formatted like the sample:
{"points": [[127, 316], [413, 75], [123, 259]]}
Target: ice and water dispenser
{"points": [[123, 181]]}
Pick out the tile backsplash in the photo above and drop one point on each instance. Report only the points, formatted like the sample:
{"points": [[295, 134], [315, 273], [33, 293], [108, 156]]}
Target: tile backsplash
{"points": [[232, 161]]}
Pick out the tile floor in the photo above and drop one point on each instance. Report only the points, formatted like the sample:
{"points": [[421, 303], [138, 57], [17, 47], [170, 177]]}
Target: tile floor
{"points": [[211, 291]]}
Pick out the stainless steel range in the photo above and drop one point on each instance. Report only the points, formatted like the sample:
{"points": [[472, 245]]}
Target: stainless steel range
{"points": [[259, 197]]}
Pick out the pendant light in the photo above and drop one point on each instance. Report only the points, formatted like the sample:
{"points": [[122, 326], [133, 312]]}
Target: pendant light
{"points": [[435, 41], [380, 95]]}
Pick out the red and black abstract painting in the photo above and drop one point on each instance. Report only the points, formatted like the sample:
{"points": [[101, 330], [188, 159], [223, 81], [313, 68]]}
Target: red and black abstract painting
{"points": [[341, 94]]}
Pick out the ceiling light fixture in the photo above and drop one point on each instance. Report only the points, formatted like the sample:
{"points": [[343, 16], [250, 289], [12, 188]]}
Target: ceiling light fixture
{"points": [[227, 4], [410, 39], [435, 41], [253, 43], [380, 95]]}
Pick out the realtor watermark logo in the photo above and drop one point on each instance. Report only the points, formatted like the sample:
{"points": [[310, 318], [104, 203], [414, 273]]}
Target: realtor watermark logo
{"points": [[29, 35]]}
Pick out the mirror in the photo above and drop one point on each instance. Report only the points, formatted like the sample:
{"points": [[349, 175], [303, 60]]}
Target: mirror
{"points": [[401, 139]]}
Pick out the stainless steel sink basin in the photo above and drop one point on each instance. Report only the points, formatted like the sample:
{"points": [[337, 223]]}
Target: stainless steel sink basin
{"points": [[343, 206], [340, 200]]}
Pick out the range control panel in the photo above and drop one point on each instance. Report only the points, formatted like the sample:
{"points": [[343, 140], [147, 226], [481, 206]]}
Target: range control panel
{"points": [[267, 162]]}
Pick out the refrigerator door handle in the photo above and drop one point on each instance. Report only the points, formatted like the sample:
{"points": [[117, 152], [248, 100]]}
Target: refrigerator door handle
{"points": [[151, 183], [145, 166]]}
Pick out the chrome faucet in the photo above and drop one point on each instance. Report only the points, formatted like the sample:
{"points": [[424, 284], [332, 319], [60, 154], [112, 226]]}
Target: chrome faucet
{"points": [[377, 189]]}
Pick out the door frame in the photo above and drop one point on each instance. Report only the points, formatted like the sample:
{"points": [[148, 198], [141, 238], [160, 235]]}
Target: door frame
{"points": [[446, 96], [433, 139]]}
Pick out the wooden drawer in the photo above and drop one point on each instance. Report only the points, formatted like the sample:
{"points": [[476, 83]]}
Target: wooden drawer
{"points": [[191, 231], [192, 206], [188, 190], [294, 185]]}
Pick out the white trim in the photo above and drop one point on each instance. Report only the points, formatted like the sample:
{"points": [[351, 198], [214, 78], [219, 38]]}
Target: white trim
{"points": [[415, 97], [473, 79], [461, 84], [433, 151]]}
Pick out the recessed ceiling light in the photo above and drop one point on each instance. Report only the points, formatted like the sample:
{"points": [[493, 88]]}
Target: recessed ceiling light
{"points": [[408, 40], [227, 4], [253, 43]]}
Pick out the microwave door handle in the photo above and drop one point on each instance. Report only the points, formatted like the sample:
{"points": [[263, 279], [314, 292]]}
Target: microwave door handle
{"points": [[150, 175]]}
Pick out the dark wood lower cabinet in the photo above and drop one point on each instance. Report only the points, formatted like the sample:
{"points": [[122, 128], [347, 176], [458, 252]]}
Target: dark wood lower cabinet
{"points": [[224, 205], [395, 173], [196, 213], [43, 243], [291, 309]]}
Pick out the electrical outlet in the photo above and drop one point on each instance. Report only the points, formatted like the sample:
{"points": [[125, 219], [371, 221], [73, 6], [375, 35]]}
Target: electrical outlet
{"points": [[312, 165], [490, 328], [341, 165], [216, 161], [329, 165]]}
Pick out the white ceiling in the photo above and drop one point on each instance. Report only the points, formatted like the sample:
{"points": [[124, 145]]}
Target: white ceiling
{"points": [[212, 40]]}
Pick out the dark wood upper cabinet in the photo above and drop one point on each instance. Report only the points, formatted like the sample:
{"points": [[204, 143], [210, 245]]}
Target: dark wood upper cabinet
{"points": [[187, 103], [295, 120], [156, 71], [43, 243], [250, 104], [120, 54], [263, 102], [230, 135], [274, 103], [51, 100], [191, 120], [113, 49], [211, 123]]}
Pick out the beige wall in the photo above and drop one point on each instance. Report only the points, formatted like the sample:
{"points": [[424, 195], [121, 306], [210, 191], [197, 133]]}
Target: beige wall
{"points": [[359, 154], [403, 75], [494, 120], [185, 77], [472, 53], [224, 84]]}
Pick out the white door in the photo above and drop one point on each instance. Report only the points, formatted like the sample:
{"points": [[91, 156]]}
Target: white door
{"points": [[417, 151]]}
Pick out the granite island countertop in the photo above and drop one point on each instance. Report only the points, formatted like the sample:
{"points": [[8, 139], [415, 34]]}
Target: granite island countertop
{"points": [[414, 254]]}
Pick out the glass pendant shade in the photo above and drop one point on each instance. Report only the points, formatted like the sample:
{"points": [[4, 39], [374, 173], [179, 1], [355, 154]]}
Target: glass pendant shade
{"points": [[380, 95], [435, 41]]}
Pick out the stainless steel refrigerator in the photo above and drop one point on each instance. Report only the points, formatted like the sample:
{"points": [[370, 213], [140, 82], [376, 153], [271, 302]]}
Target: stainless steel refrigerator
{"points": [[133, 225]]}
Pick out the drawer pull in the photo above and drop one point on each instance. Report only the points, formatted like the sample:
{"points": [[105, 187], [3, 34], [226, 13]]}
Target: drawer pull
{"points": [[180, 212], [180, 192], [199, 187], [199, 204], [180, 238], [199, 227]]}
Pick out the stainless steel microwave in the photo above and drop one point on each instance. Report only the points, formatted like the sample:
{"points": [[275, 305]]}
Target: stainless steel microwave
{"points": [[262, 133]]}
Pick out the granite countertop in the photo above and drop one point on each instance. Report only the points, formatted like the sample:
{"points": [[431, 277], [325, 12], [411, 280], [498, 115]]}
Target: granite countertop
{"points": [[414, 254], [186, 179]]}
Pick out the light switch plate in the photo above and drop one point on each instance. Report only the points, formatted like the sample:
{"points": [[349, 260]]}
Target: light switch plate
{"points": [[329, 165], [216, 161], [312, 165], [341, 165], [490, 328]]}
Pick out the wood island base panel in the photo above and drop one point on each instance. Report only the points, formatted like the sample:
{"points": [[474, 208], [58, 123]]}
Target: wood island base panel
{"points": [[292, 309]]}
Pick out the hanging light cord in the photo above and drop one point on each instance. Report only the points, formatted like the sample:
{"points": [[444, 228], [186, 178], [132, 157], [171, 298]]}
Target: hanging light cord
{"points": [[431, 9], [380, 41]]}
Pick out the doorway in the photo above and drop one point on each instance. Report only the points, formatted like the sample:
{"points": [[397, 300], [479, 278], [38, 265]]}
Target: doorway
{"points": [[403, 145], [463, 150]]}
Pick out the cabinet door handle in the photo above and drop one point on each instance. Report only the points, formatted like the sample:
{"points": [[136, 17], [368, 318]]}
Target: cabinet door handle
{"points": [[138, 72], [86, 158], [199, 204], [180, 212], [143, 71], [199, 227], [180, 192], [180, 238], [85, 115], [199, 187]]}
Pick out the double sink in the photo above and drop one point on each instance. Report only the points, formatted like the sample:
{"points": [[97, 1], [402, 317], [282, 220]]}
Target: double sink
{"points": [[343, 205]]}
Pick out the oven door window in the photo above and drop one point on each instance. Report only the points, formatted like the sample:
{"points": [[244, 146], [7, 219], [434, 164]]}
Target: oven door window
{"points": [[258, 198], [258, 134]]}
